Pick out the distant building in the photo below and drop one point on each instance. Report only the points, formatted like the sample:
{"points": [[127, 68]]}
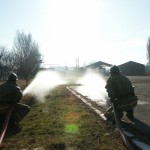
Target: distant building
{"points": [[132, 68], [100, 67]]}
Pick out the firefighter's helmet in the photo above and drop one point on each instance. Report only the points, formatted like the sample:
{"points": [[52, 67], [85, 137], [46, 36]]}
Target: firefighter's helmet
{"points": [[114, 69], [12, 77]]}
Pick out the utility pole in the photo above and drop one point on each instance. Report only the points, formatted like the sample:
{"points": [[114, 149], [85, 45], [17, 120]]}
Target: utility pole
{"points": [[77, 63]]}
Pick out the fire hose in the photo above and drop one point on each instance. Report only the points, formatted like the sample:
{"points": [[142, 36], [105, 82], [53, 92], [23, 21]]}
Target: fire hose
{"points": [[125, 140], [5, 125]]}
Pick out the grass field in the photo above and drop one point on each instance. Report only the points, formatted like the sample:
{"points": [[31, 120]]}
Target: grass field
{"points": [[63, 122]]}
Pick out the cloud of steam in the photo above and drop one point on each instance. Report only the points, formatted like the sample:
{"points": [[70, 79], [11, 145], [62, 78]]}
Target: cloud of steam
{"points": [[43, 83], [93, 86]]}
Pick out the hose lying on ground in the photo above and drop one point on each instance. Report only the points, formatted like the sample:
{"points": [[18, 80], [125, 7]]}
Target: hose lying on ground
{"points": [[5, 125], [125, 140]]}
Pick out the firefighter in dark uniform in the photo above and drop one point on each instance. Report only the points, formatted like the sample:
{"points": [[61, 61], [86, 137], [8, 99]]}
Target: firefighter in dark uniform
{"points": [[10, 93], [121, 94]]}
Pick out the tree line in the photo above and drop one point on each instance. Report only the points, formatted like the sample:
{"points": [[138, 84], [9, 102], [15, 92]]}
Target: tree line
{"points": [[148, 56], [24, 58]]}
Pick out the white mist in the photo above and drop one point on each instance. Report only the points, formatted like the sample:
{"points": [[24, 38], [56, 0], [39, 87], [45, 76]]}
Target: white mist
{"points": [[43, 83], [93, 86]]}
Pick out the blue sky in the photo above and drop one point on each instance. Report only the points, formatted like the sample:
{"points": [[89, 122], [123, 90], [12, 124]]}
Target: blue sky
{"points": [[113, 31]]}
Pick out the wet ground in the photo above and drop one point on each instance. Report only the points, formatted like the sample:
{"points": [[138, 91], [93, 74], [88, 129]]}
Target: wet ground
{"points": [[142, 110], [138, 131], [142, 90]]}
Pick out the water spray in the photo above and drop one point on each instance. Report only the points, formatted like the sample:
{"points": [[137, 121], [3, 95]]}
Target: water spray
{"points": [[43, 83], [93, 86]]}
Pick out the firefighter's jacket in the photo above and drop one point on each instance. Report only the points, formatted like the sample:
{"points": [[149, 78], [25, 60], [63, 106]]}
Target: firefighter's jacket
{"points": [[121, 92], [10, 93]]}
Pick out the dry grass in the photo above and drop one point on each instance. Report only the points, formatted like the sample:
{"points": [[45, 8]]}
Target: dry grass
{"points": [[65, 123], [62, 123]]}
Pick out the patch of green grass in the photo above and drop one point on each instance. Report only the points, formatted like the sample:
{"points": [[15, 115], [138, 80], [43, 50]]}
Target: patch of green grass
{"points": [[71, 128], [62, 122]]}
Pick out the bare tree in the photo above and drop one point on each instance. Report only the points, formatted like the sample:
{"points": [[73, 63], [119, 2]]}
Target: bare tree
{"points": [[4, 67], [148, 51], [148, 56], [27, 55]]}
